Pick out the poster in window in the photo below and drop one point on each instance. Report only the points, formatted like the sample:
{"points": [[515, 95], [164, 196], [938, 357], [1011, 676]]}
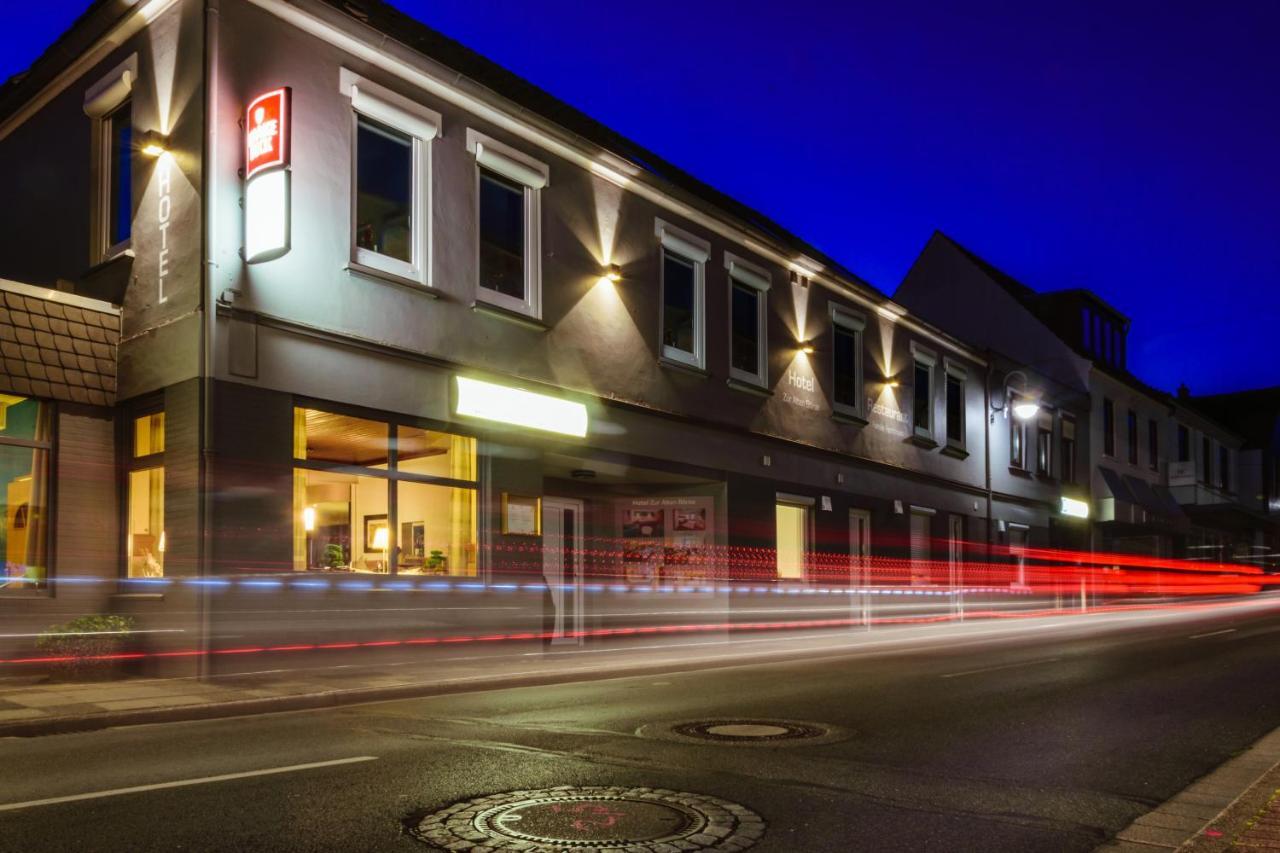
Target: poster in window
{"points": [[521, 515]]}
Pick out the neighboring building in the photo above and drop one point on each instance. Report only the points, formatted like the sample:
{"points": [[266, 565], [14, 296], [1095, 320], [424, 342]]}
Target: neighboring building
{"points": [[481, 334]]}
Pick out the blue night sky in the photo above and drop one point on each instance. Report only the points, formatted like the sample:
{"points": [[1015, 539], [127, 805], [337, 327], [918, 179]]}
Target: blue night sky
{"points": [[1128, 147]]}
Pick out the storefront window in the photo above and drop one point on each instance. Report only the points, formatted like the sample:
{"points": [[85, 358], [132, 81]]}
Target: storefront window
{"points": [[793, 539], [145, 538], [347, 520], [25, 444]]}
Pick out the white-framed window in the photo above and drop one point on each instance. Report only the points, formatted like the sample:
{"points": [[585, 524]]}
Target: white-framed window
{"points": [[748, 302], [684, 273], [955, 376], [509, 188], [109, 104], [847, 395], [923, 362], [390, 180]]}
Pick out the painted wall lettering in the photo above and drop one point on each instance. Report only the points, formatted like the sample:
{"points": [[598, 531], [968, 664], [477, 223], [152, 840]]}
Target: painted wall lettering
{"points": [[164, 213]]}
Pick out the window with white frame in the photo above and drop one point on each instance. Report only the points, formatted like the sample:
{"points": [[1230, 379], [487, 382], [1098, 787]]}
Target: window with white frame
{"points": [[956, 376], [748, 299], [846, 363], [922, 391], [684, 262], [391, 180], [109, 104], [509, 225]]}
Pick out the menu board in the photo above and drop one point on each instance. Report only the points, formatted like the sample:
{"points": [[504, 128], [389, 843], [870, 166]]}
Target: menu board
{"points": [[666, 539]]}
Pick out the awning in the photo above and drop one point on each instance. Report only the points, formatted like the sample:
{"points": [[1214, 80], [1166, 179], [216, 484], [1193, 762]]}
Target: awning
{"points": [[1133, 500]]}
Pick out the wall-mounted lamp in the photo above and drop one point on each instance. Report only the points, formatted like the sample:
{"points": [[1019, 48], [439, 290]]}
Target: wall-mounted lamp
{"points": [[1025, 410], [153, 144], [807, 348], [613, 272], [890, 382], [1023, 407]]}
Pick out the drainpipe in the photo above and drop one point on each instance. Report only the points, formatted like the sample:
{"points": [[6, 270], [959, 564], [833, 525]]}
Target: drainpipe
{"points": [[987, 417]]}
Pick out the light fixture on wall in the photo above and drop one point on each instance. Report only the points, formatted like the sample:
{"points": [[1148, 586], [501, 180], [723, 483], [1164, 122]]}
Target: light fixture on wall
{"points": [[153, 144], [806, 347], [1020, 403], [613, 272], [1025, 410], [890, 382]]}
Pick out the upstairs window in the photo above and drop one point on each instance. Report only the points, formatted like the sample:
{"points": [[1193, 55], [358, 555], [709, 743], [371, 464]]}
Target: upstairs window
{"points": [[391, 181], [1131, 433], [1017, 439], [684, 261], [1153, 444], [955, 389], [748, 298], [1224, 467], [922, 389], [1044, 444], [1206, 460], [109, 104], [1108, 427], [509, 198], [119, 141], [846, 363], [1068, 450], [1184, 444]]}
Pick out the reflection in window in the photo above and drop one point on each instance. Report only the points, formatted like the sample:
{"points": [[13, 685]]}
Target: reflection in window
{"points": [[24, 481], [501, 235], [384, 190]]}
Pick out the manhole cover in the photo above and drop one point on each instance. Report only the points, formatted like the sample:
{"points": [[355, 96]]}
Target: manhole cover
{"points": [[746, 732], [634, 820]]}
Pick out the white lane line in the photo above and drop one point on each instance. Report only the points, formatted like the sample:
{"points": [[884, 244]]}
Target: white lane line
{"points": [[116, 792], [996, 668], [1212, 634]]}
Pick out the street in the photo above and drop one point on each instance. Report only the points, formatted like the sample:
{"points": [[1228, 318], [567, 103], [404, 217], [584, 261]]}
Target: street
{"points": [[1051, 735]]}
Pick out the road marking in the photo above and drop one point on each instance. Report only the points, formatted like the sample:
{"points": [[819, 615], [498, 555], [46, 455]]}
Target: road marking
{"points": [[1212, 634], [204, 780], [996, 668]]}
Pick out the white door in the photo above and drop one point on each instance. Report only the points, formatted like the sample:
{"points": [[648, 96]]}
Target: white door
{"points": [[920, 547], [860, 547], [792, 539], [562, 566]]}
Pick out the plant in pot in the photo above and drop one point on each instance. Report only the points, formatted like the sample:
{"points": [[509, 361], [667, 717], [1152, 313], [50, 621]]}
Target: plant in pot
{"points": [[333, 556], [436, 561], [82, 647]]}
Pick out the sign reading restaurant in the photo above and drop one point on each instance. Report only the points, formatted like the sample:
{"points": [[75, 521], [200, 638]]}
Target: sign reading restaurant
{"points": [[266, 132]]}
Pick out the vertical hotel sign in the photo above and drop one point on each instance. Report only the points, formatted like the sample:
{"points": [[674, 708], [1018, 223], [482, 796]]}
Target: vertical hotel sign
{"points": [[267, 139]]}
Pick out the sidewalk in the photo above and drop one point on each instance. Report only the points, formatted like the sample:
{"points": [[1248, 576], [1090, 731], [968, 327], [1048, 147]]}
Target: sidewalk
{"points": [[1235, 809]]}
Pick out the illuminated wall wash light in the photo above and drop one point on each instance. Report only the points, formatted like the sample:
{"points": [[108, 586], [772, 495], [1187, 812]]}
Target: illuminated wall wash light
{"points": [[1075, 508], [517, 407], [266, 216]]}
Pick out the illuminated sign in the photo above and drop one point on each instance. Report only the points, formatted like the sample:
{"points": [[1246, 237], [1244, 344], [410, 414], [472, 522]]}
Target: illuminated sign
{"points": [[520, 408], [1075, 508], [266, 132]]}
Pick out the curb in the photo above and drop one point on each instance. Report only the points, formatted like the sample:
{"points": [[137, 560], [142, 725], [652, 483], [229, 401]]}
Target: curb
{"points": [[1206, 815]]}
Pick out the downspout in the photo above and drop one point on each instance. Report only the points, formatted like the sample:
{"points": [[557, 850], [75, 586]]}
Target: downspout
{"points": [[987, 418]]}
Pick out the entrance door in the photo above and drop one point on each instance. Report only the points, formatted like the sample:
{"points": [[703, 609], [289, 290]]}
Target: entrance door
{"points": [[955, 560], [920, 550], [860, 547], [562, 567], [1018, 552]]}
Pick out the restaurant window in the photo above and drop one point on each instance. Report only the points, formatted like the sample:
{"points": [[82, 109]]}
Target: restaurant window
{"points": [[145, 540], [1153, 444], [684, 260], [1184, 444], [748, 298], [1131, 433], [372, 496], [793, 517], [26, 442], [1067, 460], [846, 357], [1108, 427], [955, 409], [922, 399], [391, 184], [1044, 444], [509, 198]]}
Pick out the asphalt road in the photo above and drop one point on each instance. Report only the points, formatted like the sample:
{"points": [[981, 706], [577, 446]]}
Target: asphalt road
{"points": [[1050, 738]]}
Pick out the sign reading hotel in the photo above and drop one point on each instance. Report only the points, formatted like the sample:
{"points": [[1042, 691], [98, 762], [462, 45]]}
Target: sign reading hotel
{"points": [[267, 132]]}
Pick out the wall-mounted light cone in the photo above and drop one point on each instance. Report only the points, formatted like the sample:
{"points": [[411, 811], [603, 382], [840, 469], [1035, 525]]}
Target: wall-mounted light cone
{"points": [[806, 348], [153, 144], [613, 272]]}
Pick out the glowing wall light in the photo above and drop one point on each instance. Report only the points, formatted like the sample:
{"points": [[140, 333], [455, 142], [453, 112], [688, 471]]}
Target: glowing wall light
{"points": [[1075, 508], [266, 216], [154, 144], [1025, 410], [517, 407]]}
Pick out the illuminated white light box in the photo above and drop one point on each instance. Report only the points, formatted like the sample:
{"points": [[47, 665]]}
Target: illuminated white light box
{"points": [[266, 216], [1075, 508], [520, 408]]}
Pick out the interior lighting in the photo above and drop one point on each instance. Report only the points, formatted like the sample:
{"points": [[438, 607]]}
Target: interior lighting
{"points": [[518, 407], [309, 519]]}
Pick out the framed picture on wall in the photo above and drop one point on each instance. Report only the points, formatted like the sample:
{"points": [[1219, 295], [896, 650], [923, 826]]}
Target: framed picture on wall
{"points": [[373, 542], [521, 515]]}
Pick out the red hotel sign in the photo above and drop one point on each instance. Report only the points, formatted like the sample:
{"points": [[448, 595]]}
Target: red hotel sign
{"points": [[266, 132]]}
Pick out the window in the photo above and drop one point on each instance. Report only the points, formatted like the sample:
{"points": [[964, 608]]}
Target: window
{"points": [[108, 104], [1044, 444], [1017, 440], [371, 496], [1068, 452], [1087, 329], [922, 399], [1224, 467], [1206, 460], [145, 537], [391, 181], [26, 441], [748, 295], [1184, 444], [955, 378], [684, 260], [1153, 444], [846, 363], [509, 202], [792, 516], [1131, 433], [1108, 427]]}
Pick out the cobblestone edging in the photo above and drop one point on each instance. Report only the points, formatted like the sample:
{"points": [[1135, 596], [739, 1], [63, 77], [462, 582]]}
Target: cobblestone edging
{"points": [[476, 826]]}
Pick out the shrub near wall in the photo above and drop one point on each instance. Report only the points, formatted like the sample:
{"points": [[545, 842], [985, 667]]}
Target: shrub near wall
{"points": [[80, 644]]}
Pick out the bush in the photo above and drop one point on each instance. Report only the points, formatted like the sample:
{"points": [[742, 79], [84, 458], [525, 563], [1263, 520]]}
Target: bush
{"points": [[85, 638]]}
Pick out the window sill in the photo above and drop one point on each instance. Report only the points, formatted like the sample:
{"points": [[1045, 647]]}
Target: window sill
{"points": [[748, 387], [1019, 472], [663, 361], [922, 441], [488, 308], [366, 271], [955, 451], [138, 596], [849, 418]]}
